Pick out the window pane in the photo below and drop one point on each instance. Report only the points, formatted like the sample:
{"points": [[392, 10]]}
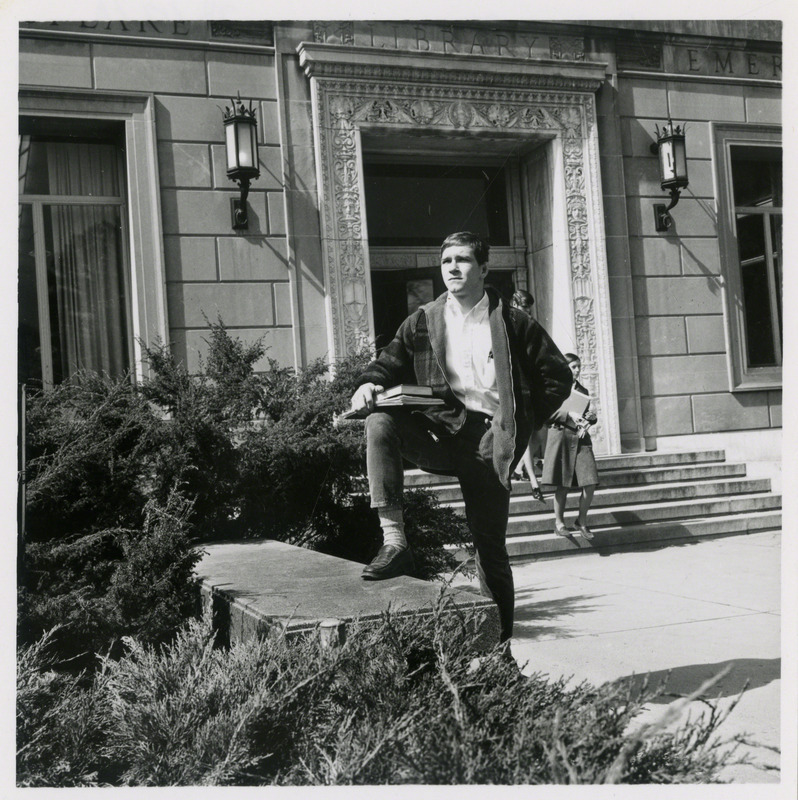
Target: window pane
{"points": [[756, 290], [418, 293], [420, 204], [84, 169], [756, 175], [751, 236], [87, 289], [29, 353]]}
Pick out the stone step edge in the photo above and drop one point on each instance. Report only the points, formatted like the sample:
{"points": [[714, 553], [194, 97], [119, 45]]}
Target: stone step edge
{"points": [[521, 488], [725, 468], [762, 503], [689, 502], [646, 532], [649, 532], [669, 459], [607, 492]]}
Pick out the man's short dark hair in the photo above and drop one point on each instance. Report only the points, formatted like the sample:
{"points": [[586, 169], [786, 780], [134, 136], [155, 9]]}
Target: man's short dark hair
{"points": [[571, 357], [467, 239]]}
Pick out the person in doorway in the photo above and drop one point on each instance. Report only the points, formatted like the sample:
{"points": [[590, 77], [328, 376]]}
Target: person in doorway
{"points": [[569, 461], [500, 376], [524, 301]]}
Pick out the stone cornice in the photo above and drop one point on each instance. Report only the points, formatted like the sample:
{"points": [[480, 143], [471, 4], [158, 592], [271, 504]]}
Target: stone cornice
{"points": [[136, 40], [105, 101], [329, 61]]}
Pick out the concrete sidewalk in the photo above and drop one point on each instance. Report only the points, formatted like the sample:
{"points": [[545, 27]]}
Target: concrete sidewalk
{"points": [[690, 610]]}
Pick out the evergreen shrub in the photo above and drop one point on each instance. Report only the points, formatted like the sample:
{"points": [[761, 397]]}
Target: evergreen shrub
{"points": [[90, 443], [61, 721], [124, 481], [98, 587], [402, 701]]}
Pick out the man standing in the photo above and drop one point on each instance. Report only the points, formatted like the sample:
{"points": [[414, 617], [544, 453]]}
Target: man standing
{"points": [[500, 376]]}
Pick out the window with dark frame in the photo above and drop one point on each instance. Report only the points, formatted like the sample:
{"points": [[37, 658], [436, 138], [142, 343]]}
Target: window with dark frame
{"points": [[757, 192], [74, 294]]}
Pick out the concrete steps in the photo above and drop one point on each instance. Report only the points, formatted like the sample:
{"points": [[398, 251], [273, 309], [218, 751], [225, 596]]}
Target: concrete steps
{"points": [[648, 512], [450, 492], [605, 464], [652, 534], [522, 502], [642, 499]]}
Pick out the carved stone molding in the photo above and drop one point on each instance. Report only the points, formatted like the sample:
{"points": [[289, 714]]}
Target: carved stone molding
{"points": [[640, 54], [367, 96], [509, 79], [343, 32], [248, 30], [571, 48]]}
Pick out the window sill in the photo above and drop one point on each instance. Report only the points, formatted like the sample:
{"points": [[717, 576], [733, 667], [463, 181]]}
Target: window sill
{"points": [[753, 383]]}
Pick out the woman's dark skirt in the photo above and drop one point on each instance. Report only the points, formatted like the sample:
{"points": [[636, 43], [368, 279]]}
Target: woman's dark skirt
{"points": [[560, 469]]}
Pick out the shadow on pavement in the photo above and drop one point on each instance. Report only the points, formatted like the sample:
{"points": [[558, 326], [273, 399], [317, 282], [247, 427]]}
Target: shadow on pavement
{"points": [[751, 673], [528, 613]]}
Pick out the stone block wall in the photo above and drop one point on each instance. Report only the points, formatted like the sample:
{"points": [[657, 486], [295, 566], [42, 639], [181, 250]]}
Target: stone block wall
{"points": [[211, 270], [241, 277], [676, 276]]}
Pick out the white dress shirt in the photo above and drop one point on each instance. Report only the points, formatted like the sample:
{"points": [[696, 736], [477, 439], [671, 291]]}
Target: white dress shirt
{"points": [[470, 367]]}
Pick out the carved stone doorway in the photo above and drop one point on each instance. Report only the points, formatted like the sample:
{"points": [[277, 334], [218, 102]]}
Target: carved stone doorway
{"points": [[358, 90]]}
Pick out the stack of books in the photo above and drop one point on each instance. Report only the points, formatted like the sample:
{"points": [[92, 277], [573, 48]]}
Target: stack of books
{"points": [[407, 394], [403, 394]]}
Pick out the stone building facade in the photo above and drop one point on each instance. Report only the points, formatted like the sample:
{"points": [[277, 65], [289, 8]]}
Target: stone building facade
{"points": [[375, 140]]}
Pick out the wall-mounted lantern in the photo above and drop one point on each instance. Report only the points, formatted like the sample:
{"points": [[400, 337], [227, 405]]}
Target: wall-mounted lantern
{"points": [[241, 146], [672, 170]]}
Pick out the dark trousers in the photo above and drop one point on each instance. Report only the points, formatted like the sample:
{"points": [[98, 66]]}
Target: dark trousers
{"points": [[397, 434]]}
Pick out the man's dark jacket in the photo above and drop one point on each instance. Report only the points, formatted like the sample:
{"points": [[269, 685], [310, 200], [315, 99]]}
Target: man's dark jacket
{"points": [[532, 377]]}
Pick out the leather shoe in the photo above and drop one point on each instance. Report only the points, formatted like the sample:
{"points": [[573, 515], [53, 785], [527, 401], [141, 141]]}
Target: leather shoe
{"points": [[538, 494], [389, 562], [585, 531], [562, 530]]}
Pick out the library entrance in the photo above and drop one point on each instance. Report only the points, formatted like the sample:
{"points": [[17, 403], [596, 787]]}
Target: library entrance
{"points": [[410, 149]]}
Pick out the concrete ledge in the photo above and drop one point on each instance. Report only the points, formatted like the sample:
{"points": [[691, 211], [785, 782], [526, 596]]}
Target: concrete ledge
{"points": [[258, 586]]}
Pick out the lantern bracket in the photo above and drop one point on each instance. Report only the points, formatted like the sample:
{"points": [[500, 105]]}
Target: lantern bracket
{"points": [[238, 206], [662, 218]]}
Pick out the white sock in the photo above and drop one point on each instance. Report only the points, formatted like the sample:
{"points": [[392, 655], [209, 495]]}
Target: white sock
{"points": [[393, 526]]}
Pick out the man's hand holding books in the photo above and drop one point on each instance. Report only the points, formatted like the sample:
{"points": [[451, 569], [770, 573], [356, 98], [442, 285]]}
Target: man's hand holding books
{"points": [[364, 398], [370, 396]]}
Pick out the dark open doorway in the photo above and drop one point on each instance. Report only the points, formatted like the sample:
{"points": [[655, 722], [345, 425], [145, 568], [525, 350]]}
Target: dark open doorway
{"points": [[397, 293], [411, 206]]}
